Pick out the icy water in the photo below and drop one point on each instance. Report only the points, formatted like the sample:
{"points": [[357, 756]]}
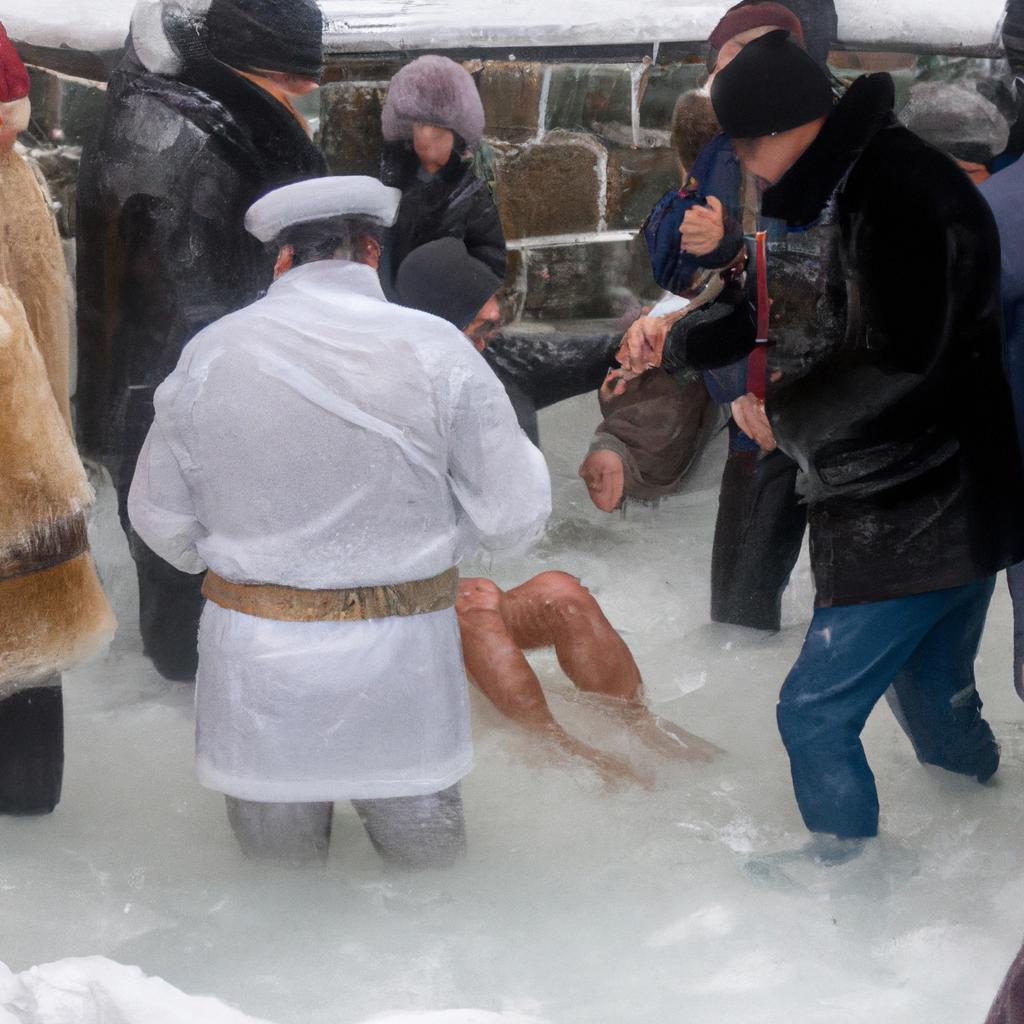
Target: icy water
{"points": [[575, 905]]}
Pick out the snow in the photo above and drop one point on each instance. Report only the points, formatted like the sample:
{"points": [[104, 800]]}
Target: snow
{"points": [[574, 905], [386, 25], [95, 990]]}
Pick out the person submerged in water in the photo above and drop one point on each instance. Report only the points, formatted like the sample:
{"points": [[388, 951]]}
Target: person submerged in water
{"points": [[553, 609]]}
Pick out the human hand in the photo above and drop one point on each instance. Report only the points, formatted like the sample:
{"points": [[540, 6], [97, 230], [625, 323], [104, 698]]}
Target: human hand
{"points": [[703, 228], [604, 476], [748, 412], [643, 344], [615, 382]]}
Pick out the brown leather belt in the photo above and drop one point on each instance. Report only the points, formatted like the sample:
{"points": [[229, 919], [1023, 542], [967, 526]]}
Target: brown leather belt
{"points": [[58, 542], [353, 604]]}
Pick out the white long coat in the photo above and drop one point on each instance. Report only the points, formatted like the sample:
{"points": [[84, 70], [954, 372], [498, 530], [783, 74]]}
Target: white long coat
{"points": [[322, 438]]}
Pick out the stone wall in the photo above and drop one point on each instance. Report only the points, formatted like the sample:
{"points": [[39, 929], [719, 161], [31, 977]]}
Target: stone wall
{"points": [[581, 153]]}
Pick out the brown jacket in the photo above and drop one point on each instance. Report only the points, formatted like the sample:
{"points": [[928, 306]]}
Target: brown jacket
{"points": [[657, 426], [53, 612]]}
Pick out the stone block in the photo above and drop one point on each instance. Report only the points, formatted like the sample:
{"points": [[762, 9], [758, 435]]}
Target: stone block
{"points": [[350, 132], [637, 178], [552, 187], [589, 280], [59, 166], [582, 97], [662, 86], [64, 110], [510, 92]]}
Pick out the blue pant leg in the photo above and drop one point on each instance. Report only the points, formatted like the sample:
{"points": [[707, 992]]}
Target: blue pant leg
{"points": [[850, 657], [934, 696]]}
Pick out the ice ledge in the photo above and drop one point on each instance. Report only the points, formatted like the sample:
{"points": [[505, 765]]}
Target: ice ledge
{"points": [[383, 26]]}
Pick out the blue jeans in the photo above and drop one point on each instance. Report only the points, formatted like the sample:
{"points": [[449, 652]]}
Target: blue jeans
{"points": [[922, 646]]}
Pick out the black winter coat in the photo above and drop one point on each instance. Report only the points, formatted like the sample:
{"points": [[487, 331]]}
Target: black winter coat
{"points": [[886, 346], [162, 250], [453, 203]]}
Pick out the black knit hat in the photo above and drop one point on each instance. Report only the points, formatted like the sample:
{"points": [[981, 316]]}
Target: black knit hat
{"points": [[443, 279], [268, 35], [770, 86]]}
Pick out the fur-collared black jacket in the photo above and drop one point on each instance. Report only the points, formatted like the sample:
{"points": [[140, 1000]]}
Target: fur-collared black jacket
{"points": [[886, 377], [162, 249], [453, 203]]}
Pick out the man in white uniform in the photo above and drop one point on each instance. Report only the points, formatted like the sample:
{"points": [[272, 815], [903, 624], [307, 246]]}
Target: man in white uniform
{"points": [[329, 459]]}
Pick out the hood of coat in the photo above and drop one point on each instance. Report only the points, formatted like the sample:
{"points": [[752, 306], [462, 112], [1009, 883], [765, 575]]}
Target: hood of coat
{"points": [[801, 194]]}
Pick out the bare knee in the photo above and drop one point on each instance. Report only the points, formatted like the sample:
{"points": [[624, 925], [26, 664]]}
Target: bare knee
{"points": [[565, 595], [477, 596]]}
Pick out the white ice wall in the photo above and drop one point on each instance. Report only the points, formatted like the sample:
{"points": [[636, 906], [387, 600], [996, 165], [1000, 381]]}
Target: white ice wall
{"points": [[355, 25]]}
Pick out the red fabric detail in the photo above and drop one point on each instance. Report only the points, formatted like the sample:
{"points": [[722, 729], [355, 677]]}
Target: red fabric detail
{"points": [[13, 76], [744, 17]]}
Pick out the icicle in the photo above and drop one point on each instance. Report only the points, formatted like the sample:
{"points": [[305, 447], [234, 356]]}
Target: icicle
{"points": [[542, 112], [636, 76]]}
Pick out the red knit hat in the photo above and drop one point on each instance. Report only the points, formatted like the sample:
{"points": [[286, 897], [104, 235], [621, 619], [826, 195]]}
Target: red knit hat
{"points": [[747, 15], [13, 76]]}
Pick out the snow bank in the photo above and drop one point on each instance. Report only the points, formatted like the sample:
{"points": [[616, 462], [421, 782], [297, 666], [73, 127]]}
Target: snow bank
{"points": [[95, 990], [382, 25]]}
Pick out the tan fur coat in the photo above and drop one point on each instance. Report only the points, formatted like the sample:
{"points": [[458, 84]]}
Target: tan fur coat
{"points": [[32, 266], [52, 619]]}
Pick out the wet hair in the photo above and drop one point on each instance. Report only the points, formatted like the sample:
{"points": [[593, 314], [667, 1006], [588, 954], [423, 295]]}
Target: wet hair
{"points": [[694, 125], [327, 239]]}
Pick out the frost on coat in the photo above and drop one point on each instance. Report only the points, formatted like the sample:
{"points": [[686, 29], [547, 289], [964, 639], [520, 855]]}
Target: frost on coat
{"points": [[322, 438]]}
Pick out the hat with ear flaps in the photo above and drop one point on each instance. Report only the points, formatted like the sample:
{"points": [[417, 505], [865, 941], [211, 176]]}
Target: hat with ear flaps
{"points": [[958, 119], [15, 108], [433, 90]]}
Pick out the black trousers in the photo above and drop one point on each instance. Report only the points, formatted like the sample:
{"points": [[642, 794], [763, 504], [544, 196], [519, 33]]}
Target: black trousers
{"points": [[170, 601], [758, 535], [32, 748]]}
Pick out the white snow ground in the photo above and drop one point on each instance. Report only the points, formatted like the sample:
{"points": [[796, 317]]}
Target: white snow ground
{"points": [[367, 25], [574, 906]]}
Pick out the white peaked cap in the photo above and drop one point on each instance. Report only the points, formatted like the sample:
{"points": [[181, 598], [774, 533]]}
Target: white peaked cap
{"points": [[322, 199]]}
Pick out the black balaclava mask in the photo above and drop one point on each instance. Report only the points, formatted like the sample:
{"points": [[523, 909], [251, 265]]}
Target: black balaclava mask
{"points": [[770, 86]]}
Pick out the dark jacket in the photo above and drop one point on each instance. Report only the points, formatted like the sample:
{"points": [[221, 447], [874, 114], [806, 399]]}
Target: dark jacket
{"points": [[886, 342], [453, 203], [162, 251], [1005, 195]]}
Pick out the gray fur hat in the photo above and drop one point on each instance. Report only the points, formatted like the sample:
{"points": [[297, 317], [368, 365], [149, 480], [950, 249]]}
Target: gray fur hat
{"points": [[956, 118], [433, 90]]}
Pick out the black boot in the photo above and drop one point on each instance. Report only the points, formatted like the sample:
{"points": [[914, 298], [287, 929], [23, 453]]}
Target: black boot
{"points": [[32, 749]]}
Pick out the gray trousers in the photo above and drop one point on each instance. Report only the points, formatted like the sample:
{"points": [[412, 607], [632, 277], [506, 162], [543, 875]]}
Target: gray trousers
{"points": [[409, 831]]}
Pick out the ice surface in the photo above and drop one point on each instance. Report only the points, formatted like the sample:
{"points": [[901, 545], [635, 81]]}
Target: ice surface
{"points": [[355, 25], [574, 906]]}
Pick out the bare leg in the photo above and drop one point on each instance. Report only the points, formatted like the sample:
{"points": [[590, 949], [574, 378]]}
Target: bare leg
{"points": [[495, 663], [555, 609]]}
